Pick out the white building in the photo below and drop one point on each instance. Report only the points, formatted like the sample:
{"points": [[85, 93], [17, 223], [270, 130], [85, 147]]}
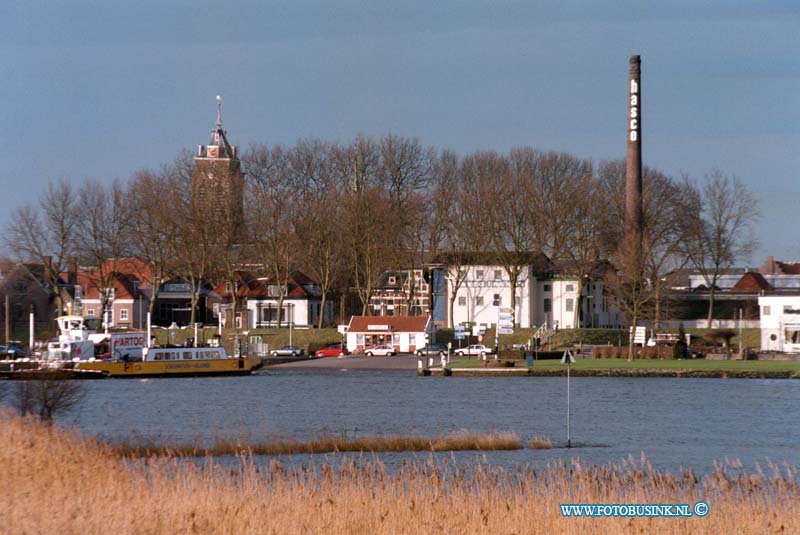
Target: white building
{"points": [[404, 333], [780, 323], [543, 296]]}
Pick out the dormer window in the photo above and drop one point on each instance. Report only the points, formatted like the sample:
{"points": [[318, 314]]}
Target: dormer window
{"points": [[392, 281]]}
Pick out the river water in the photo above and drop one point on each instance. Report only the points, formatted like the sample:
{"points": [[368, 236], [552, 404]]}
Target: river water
{"points": [[676, 423]]}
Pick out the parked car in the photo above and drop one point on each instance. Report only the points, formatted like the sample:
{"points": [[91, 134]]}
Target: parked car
{"points": [[431, 349], [14, 350], [380, 351], [287, 351], [333, 350], [475, 349]]}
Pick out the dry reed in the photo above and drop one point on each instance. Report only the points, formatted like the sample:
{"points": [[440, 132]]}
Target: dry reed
{"points": [[327, 443], [56, 482], [539, 442]]}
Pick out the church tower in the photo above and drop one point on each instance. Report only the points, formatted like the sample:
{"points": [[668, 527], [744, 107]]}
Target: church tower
{"points": [[218, 181]]}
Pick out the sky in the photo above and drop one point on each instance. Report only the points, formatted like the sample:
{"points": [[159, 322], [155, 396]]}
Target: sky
{"points": [[100, 89]]}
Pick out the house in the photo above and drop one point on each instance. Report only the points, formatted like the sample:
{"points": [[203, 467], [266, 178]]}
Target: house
{"points": [[404, 333], [780, 323], [546, 292], [393, 290], [26, 286], [116, 287], [258, 304]]}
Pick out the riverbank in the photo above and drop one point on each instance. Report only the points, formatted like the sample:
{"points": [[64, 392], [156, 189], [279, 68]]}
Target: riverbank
{"points": [[82, 487], [689, 368]]}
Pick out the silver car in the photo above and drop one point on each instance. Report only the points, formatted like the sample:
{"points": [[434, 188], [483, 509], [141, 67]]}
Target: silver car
{"points": [[474, 350]]}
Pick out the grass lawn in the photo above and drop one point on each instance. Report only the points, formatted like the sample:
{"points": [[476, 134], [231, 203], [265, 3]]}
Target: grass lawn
{"points": [[692, 364]]}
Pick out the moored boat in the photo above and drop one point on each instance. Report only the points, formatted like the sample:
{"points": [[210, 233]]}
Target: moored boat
{"points": [[80, 348], [175, 362]]}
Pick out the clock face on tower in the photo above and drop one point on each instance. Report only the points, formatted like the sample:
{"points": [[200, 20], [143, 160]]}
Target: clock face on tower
{"points": [[213, 152]]}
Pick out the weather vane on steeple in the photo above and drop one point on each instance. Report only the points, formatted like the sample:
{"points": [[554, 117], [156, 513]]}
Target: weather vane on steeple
{"points": [[219, 111]]}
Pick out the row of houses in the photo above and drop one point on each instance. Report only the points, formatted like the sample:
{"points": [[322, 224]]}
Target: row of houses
{"points": [[546, 293]]}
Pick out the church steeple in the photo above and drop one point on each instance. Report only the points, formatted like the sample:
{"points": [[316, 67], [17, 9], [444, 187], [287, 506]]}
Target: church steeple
{"points": [[217, 178], [218, 147]]}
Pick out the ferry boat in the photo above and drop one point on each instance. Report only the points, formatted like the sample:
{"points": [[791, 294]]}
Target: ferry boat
{"points": [[174, 362], [79, 347]]}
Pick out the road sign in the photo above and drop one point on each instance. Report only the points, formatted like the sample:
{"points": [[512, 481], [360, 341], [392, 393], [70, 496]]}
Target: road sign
{"points": [[505, 330], [459, 335], [567, 358], [507, 310], [506, 323], [478, 331], [639, 337], [480, 338], [505, 316]]}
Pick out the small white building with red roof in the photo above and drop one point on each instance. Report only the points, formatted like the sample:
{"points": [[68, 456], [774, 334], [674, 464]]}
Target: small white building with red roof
{"points": [[404, 333]]}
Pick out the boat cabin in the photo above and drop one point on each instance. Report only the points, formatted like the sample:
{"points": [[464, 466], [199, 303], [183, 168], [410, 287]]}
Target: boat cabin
{"points": [[186, 353]]}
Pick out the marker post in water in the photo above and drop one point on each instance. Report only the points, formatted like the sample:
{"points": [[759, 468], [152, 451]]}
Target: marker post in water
{"points": [[568, 359]]}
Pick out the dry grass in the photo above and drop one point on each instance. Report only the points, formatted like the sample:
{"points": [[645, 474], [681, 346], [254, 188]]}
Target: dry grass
{"points": [[539, 442], [327, 443], [55, 482]]}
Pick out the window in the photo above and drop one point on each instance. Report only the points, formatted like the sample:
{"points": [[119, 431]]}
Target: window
{"points": [[360, 339], [570, 288], [90, 312], [792, 335], [478, 273], [228, 287], [392, 281], [548, 305], [548, 288], [570, 305], [412, 339], [498, 274], [462, 300], [123, 314], [766, 310], [479, 301]]}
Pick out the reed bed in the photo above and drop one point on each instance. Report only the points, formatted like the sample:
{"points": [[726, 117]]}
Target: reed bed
{"points": [[327, 443], [539, 442], [57, 482]]}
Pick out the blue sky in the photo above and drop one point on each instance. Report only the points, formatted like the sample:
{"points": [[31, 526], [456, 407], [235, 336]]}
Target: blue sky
{"points": [[98, 89]]}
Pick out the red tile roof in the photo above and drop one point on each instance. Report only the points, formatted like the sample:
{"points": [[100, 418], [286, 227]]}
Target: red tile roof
{"points": [[404, 324], [251, 286], [751, 282]]}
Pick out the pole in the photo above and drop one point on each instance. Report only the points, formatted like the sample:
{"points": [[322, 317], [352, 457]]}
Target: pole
{"points": [[195, 333], [568, 440], [8, 319], [291, 322], [149, 330], [741, 355], [30, 338]]}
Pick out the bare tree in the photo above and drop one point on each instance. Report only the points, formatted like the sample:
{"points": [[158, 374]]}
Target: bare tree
{"points": [[318, 222], [723, 232], [193, 239], [103, 233], [47, 233], [48, 395], [371, 234], [456, 211], [274, 207], [152, 234]]}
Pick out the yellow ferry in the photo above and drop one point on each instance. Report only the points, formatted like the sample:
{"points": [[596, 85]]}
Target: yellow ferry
{"points": [[79, 347], [173, 362]]}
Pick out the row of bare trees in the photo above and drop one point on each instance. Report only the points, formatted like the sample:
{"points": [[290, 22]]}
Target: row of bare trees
{"points": [[346, 212]]}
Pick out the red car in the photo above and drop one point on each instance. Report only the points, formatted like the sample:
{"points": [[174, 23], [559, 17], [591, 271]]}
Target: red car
{"points": [[333, 350]]}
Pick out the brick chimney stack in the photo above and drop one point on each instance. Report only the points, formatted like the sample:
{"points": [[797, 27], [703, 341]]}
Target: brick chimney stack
{"points": [[633, 162]]}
